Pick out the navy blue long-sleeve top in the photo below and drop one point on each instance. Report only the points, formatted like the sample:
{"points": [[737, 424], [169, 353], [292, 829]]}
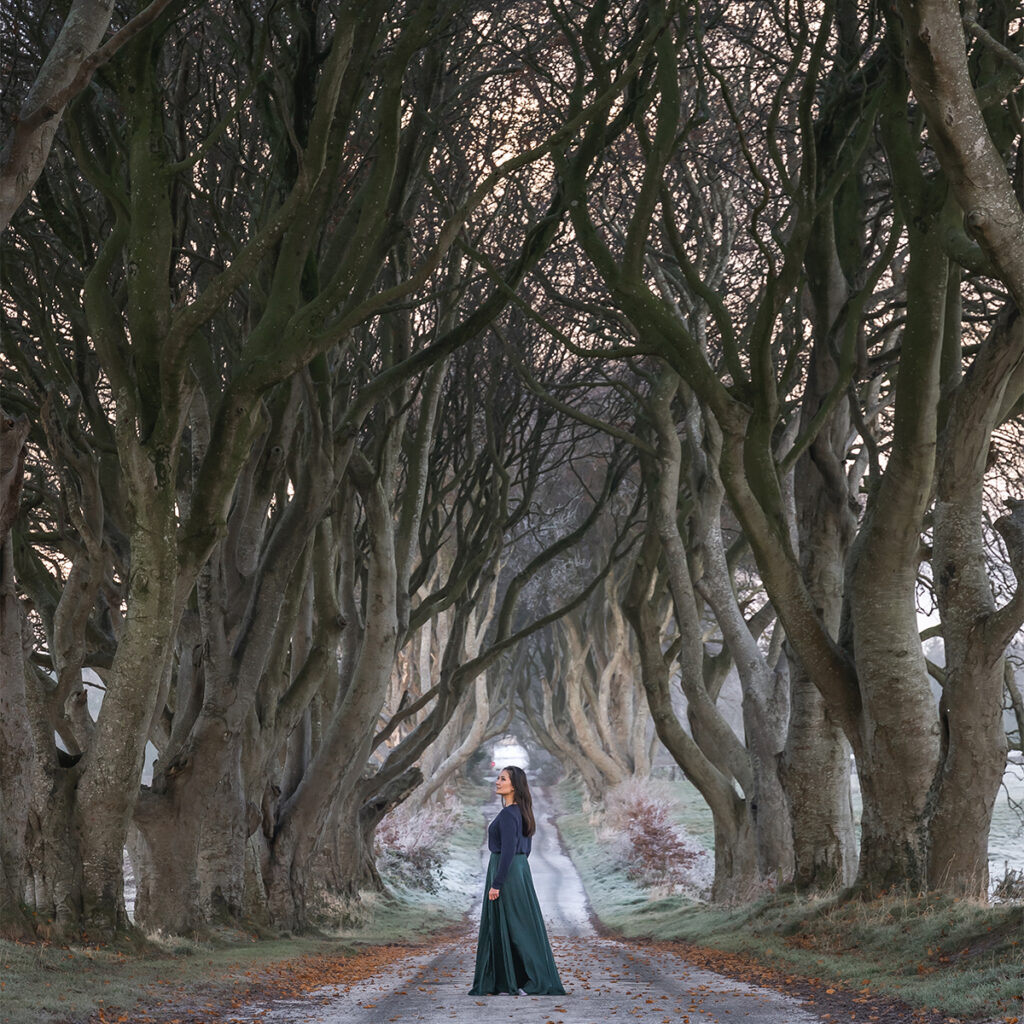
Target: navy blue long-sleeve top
{"points": [[505, 837]]}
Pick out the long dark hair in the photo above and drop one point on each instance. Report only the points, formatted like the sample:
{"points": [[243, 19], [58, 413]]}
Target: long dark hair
{"points": [[521, 795]]}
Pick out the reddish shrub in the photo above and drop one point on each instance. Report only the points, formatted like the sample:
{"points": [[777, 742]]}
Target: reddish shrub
{"points": [[654, 851]]}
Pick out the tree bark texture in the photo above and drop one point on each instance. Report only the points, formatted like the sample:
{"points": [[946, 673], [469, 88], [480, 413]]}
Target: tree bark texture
{"points": [[339, 762], [975, 633], [477, 718], [195, 819], [817, 758], [194, 825], [111, 768], [817, 784], [755, 762], [17, 750], [897, 744]]}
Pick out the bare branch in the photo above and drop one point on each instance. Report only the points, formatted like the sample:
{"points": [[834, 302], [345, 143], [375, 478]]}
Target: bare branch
{"points": [[64, 74]]}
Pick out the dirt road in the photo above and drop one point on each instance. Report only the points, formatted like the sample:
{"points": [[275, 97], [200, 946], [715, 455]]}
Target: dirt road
{"points": [[604, 980]]}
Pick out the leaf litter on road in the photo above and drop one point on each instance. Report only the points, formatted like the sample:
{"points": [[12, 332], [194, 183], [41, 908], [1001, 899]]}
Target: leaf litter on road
{"points": [[626, 972]]}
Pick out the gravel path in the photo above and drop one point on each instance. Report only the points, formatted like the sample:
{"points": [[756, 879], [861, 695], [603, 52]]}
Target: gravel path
{"points": [[605, 980]]}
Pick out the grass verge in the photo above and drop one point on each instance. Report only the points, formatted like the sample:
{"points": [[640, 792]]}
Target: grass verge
{"points": [[43, 983], [960, 957]]}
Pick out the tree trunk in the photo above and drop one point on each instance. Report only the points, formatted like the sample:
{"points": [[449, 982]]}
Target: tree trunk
{"points": [[17, 753], [817, 780], [112, 767], [194, 825], [285, 878], [440, 762], [353, 867], [736, 855], [640, 745], [765, 710], [586, 732], [935, 51], [78, 816], [769, 807], [564, 747], [165, 855], [56, 883], [817, 758], [899, 744], [816, 767], [738, 872], [353, 860], [897, 739], [471, 741], [898, 749], [252, 601], [754, 766], [974, 631], [341, 758]]}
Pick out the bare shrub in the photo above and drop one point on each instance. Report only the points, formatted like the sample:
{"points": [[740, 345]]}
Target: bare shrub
{"points": [[410, 845], [655, 852], [1009, 888]]}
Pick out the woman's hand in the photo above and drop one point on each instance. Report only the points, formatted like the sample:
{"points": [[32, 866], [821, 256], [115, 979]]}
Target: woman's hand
{"points": [[493, 894]]}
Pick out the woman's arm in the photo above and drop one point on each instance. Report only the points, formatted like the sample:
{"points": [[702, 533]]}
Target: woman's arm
{"points": [[509, 828]]}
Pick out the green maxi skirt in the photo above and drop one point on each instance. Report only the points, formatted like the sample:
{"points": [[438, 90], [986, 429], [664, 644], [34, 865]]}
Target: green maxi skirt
{"points": [[513, 953]]}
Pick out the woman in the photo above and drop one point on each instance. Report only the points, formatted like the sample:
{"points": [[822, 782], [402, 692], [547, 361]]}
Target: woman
{"points": [[513, 954]]}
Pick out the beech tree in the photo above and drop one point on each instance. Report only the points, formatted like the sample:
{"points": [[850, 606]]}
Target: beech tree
{"points": [[246, 262], [228, 222], [873, 676], [966, 100], [739, 776], [846, 632], [495, 448], [61, 74], [484, 712]]}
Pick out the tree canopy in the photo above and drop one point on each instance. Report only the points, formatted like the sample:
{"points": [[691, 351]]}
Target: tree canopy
{"points": [[370, 366]]}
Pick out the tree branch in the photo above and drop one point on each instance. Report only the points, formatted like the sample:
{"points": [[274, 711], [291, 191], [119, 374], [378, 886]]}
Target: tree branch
{"points": [[66, 71]]}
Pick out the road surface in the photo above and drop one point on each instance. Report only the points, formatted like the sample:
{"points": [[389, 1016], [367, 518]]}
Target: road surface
{"points": [[605, 980]]}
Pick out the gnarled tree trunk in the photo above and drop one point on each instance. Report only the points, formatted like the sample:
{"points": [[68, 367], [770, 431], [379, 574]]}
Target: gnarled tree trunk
{"points": [[817, 759], [975, 632], [194, 825], [897, 739], [736, 862], [936, 57], [17, 751]]}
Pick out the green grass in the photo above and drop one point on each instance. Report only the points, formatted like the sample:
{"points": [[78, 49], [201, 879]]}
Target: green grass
{"points": [[959, 956], [619, 903], [54, 983]]}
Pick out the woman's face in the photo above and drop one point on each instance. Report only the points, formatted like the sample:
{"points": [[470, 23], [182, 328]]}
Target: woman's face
{"points": [[503, 787]]}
